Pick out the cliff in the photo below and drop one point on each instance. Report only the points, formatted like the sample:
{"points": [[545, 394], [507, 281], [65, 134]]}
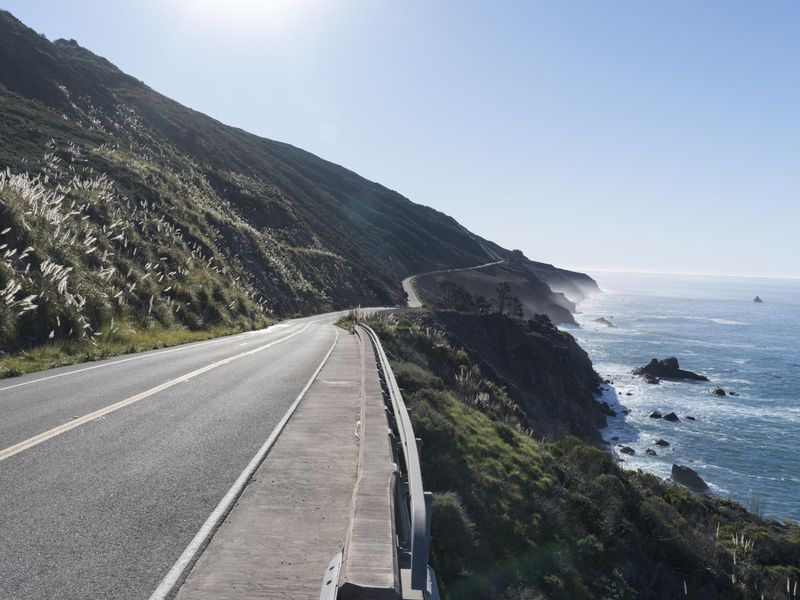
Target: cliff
{"points": [[519, 514]]}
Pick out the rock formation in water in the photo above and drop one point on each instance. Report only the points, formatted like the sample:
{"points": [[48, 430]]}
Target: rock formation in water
{"points": [[606, 322], [667, 368], [689, 478]]}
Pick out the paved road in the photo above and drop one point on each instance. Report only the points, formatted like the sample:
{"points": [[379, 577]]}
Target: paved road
{"points": [[103, 509], [408, 287], [408, 283]]}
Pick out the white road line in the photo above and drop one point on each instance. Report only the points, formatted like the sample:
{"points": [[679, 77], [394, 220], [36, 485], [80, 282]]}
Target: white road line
{"points": [[38, 439], [174, 579], [189, 346]]}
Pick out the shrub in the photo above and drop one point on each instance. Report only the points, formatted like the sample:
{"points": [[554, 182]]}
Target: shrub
{"points": [[453, 534]]}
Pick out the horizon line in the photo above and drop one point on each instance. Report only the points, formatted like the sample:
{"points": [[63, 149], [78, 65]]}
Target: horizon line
{"points": [[638, 272]]}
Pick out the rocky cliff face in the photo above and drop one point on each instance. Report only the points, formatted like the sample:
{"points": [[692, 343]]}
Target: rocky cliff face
{"points": [[544, 370], [541, 289], [517, 517], [535, 296]]}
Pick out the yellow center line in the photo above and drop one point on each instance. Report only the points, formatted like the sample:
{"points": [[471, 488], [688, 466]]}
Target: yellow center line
{"points": [[72, 424]]}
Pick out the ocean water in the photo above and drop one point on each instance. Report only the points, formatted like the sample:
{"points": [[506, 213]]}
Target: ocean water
{"points": [[746, 447]]}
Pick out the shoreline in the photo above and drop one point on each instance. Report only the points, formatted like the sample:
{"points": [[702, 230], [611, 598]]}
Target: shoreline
{"points": [[738, 443]]}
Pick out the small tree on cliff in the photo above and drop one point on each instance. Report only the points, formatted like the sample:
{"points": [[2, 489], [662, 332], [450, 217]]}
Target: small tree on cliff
{"points": [[456, 297], [517, 312], [503, 290], [483, 305]]}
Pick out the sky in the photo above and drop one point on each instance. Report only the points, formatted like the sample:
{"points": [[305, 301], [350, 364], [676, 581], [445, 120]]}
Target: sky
{"points": [[597, 135]]}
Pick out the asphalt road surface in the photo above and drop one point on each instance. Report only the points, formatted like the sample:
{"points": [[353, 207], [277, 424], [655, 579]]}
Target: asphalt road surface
{"points": [[109, 469]]}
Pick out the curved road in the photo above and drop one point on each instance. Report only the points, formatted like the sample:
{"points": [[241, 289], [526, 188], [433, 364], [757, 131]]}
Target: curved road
{"points": [[109, 469], [408, 283]]}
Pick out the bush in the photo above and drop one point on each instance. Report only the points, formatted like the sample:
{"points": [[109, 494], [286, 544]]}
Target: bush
{"points": [[411, 377], [453, 534]]}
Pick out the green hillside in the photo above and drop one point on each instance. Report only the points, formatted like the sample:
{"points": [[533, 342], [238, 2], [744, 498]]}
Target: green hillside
{"points": [[123, 212], [528, 507]]}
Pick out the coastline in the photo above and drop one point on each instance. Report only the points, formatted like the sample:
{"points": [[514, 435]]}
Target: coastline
{"points": [[738, 443]]}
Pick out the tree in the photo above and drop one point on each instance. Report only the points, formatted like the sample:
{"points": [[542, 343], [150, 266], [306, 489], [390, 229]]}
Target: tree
{"points": [[454, 296], [517, 312], [503, 290], [483, 305]]}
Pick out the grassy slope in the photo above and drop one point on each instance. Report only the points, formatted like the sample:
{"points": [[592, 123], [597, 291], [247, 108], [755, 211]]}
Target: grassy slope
{"points": [[110, 187], [516, 517], [247, 229], [116, 341], [302, 200]]}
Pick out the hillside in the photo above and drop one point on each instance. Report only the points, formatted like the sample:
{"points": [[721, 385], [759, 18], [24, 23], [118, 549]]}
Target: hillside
{"points": [[526, 505], [121, 208], [535, 296]]}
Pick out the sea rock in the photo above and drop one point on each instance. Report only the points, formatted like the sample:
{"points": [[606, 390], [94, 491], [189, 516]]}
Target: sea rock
{"points": [[667, 368], [689, 418], [718, 391], [688, 477], [758, 300], [651, 379], [651, 452], [733, 393], [627, 450], [671, 417], [655, 415], [606, 409], [629, 393], [606, 322], [660, 442]]}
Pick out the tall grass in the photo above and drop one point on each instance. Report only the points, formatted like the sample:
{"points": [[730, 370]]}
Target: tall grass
{"points": [[78, 257], [122, 341]]}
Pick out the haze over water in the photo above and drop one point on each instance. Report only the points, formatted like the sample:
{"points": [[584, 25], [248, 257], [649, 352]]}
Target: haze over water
{"points": [[744, 446]]}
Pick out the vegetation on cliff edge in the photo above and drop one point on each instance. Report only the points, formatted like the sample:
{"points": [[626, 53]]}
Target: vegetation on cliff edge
{"points": [[518, 517]]}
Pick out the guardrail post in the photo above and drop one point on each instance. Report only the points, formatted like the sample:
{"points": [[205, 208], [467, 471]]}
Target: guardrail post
{"points": [[428, 511]]}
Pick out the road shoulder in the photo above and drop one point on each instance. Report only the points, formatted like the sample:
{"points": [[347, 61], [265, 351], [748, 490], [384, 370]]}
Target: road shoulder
{"points": [[293, 516]]}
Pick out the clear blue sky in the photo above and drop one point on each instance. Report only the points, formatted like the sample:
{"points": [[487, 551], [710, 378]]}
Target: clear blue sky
{"points": [[628, 135]]}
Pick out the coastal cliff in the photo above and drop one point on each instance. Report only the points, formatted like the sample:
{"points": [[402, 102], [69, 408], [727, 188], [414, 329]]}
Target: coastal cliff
{"points": [[540, 289], [525, 509]]}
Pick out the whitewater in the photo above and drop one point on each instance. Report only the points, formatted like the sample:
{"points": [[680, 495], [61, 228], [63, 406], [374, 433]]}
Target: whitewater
{"points": [[744, 445]]}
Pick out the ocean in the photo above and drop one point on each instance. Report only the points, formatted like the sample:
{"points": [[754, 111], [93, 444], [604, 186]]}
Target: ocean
{"points": [[746, 446]]}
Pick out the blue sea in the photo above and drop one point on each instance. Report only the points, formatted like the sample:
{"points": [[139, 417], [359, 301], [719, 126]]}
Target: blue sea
{"points": [[746, 447]]}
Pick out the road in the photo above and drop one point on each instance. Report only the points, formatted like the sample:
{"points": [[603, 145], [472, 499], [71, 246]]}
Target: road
{"points": [[408, 288], [109, 469], [408, 283]]}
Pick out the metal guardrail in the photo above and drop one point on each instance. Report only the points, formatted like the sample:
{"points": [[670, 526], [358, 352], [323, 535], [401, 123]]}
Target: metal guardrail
{"points": [[414, 528], [412, 518]]}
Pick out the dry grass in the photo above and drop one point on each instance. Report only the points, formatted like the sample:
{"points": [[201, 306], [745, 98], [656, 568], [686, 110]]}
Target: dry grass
{"points": [[121, 341], [78, 255]]}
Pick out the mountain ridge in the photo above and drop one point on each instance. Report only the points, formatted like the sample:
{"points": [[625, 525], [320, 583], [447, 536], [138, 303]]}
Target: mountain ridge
{"points": [[288, 232]]}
